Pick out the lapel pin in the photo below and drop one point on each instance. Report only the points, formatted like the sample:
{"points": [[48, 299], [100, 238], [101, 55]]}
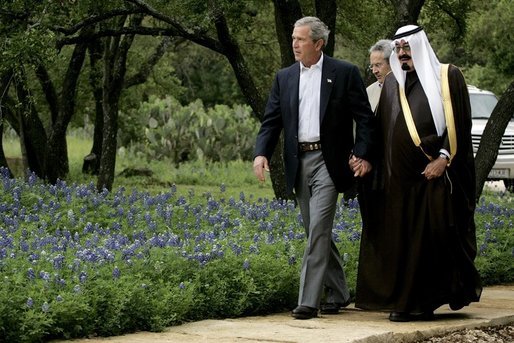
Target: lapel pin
{"points": [[329, 80]]}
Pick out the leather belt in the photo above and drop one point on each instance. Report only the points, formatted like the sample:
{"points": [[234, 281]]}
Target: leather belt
{"points": [[309, 146]]}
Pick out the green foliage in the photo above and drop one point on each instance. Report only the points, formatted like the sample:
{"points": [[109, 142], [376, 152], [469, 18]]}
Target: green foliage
{"points": [[75, 263], [206, 75], [489, 45], [495, 240], [183, 133]]}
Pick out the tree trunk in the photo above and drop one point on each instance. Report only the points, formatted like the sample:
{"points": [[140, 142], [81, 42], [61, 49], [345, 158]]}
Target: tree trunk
{"points": [[286, 14], [30, 129], [115, 61], [57, 166], [492, 136], [3, 160], [326, 10], [407, 13], [5, 82], [233, 53], [91, 162]]}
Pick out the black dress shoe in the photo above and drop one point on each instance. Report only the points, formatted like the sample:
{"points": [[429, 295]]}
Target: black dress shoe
{"points": [[408, 317], [333, 308], [304, 312], [399, 317]]}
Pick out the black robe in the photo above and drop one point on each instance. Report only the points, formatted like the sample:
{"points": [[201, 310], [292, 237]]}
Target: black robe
{"points": [[418, 242]]}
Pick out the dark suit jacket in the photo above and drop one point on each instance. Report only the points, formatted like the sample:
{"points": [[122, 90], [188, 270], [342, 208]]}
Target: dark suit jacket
{"points": [[343, 99]]}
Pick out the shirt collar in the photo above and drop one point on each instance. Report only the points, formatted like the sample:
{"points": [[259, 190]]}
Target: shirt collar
{"points": [[318, 64]]}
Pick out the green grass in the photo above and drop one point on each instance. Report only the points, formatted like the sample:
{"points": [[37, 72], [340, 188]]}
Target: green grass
{"points": [[237, 176]]}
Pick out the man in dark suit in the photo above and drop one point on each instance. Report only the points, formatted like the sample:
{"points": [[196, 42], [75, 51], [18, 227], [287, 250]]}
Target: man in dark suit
{"points": [[315, 102]]}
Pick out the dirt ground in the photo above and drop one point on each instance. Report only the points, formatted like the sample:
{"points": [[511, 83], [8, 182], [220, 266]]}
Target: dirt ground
{"points": [[496, 334]]}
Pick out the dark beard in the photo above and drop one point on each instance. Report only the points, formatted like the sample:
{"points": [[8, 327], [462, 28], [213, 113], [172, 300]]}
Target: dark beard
{"points": [[405, 67]]}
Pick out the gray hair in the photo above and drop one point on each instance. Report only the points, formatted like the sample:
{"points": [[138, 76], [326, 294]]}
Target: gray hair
{"points": [[384, 46], [319, 30]]}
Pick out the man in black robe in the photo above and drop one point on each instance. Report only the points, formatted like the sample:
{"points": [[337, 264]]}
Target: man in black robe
{"points": [[419, 253]]}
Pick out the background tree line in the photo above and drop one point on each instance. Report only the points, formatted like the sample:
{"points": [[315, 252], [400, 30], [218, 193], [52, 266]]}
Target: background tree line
{"points": [[68, 62]]}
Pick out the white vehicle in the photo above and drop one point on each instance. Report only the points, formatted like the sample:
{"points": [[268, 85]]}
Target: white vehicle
{"points": [[482, 105]]}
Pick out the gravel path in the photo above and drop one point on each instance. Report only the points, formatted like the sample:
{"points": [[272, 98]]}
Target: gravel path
{"points": [[496, 334]]}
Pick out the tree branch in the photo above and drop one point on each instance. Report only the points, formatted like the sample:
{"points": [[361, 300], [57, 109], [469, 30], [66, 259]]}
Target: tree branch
{"points": [[162, 17], [49, 90], [144, 31], [196, 35], [94, 19], [147, 67]]}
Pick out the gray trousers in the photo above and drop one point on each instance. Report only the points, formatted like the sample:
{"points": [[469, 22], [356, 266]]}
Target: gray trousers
{"points": [[321, 267]]}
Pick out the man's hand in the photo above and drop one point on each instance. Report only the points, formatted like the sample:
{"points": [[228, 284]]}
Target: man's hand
{"points": [[435, 168], [359, 166], [260, 165]]}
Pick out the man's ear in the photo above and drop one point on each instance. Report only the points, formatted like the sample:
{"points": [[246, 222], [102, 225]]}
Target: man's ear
{"points": [[319, 44]]}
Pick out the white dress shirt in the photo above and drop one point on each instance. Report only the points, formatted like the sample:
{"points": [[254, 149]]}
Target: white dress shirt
{"points": [[309, 95], [374, 91]]}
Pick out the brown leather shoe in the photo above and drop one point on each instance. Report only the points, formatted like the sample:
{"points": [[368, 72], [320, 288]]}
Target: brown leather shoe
{"points": [[304, 312]]}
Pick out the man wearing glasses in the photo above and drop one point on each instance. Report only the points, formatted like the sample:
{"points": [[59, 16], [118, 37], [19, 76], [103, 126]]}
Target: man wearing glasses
{"points": [[379, 55], [419, 255]]}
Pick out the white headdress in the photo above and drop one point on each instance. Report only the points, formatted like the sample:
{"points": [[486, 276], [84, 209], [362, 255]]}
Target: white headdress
{"points": [[427, 67]]}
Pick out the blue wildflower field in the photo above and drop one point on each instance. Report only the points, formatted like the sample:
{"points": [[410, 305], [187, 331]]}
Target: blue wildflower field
{"points": [[78, 263]]}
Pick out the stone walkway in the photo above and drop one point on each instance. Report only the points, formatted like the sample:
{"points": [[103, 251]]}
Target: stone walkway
{"points": [[496, 307]]}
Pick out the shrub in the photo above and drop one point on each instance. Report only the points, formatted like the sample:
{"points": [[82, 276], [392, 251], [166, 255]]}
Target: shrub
{"points": [[75, 262], [188, 133]]}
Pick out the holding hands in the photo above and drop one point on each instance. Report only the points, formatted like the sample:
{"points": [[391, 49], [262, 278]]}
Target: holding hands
{"points": [[359, 166]]}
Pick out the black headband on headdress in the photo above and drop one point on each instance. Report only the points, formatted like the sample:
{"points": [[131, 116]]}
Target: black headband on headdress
{"points": [[408, 33]]}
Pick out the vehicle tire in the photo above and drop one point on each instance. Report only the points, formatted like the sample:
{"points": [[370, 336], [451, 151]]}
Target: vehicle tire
{"points": [[509, 185]]}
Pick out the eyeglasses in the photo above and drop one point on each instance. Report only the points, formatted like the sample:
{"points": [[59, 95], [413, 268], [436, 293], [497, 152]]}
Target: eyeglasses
{"points": [[405, 48], [375, 65]]}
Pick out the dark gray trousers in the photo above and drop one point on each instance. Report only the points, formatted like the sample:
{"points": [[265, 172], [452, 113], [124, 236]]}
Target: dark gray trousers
{"points": [[321, 267]]}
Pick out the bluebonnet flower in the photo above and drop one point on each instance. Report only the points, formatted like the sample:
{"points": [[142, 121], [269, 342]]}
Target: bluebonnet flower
{"points": [[59, 298], [58, 261], [116, 273], [246, 264], [31, 274], [236, 249], [182, 285], [30, 302], [76, 289], [223, 188], [44, 275], [45, 307], [60, 281], [82, 276], [32, 179]]}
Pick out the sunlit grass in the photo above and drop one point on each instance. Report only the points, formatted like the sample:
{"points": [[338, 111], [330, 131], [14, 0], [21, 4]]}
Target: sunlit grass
{"points": [[236, 176]]}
